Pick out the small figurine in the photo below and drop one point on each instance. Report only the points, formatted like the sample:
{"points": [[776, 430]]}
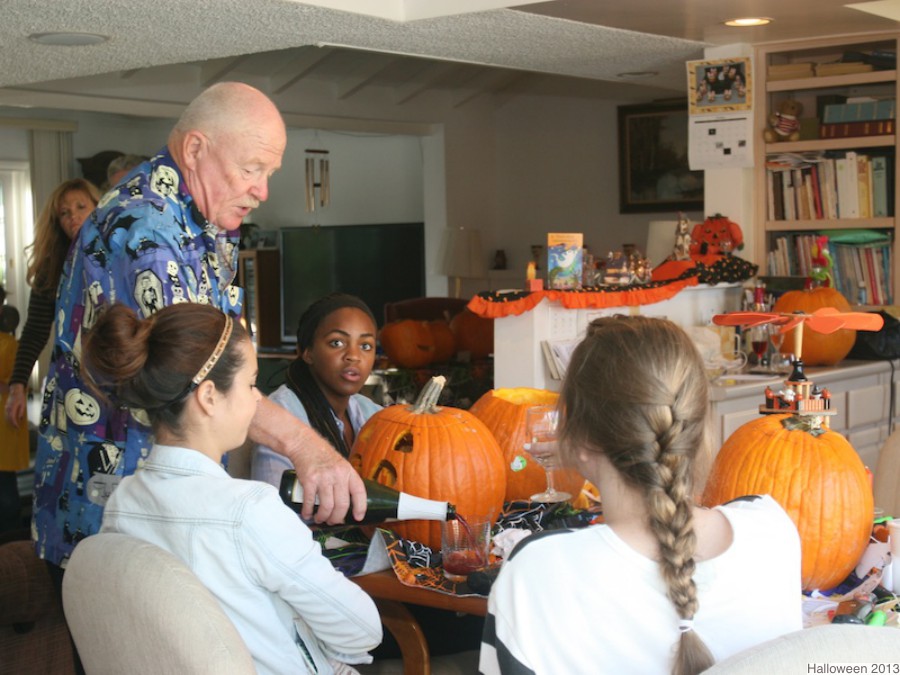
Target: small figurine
{"points": [[717, 235], [682, 250]]}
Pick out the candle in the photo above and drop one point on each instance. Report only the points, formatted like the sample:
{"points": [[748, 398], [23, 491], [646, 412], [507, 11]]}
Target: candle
{"points": [[530, 271]]}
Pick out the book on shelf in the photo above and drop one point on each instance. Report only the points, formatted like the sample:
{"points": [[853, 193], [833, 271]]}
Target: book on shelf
{"points": [[853, 129], [841, 68], [856, 267], [836, 184], [867, 110], [789, 71]]}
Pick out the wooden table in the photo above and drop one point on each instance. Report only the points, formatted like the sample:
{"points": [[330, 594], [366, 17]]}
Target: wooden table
{"points": [[389, 595]]}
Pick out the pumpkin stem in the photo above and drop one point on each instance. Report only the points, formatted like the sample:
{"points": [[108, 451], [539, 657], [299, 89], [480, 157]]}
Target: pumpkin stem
{"points": [[428, 397]]}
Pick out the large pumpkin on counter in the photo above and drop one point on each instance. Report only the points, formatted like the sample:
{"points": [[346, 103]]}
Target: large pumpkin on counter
{"points": [[503, 412], [819, 480], [818, 349], [407, 343], [434, 452], [444, 341]]}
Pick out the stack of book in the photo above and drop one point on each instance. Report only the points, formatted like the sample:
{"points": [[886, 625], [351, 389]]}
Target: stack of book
{"points": [[859, 270], [827, 186], [869, 117], [789, 71]]}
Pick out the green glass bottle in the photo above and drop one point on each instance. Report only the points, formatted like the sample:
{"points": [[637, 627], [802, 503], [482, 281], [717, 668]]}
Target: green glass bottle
{"points": [[382, 503]]}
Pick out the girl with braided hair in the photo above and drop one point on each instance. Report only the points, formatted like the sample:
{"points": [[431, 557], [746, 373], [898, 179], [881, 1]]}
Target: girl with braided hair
{"points": [[663, 585], [335, 354]]}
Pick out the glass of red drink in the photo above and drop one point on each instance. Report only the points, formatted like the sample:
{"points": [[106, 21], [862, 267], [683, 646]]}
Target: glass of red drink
{"points": [[465, 546]]}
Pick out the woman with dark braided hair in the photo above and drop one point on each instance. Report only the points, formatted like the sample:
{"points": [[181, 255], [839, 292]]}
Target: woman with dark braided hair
{"points": [[663, 585], [335, 354]]}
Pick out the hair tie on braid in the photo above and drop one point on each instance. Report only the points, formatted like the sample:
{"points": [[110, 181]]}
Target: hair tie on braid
{"points": [[686, 625]]}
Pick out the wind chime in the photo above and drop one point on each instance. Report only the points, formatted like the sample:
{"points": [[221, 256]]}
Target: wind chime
{"points": [[318, 181]]}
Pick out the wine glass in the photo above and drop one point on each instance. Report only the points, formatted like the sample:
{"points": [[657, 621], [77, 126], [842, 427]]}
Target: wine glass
{"points": [[759, 342], [776, 338], [541, 445]]}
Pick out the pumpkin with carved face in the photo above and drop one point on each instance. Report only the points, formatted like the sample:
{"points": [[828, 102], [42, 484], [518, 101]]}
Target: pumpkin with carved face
{"points": [[716, 235], [435, 452]]}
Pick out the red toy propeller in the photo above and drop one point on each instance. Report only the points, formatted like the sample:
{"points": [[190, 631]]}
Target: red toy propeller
{"points": [[824, 320]]}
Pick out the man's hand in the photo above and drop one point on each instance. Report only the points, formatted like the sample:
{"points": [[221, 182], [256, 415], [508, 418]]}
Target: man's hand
{"points": [[322, 472], [15, 405]]}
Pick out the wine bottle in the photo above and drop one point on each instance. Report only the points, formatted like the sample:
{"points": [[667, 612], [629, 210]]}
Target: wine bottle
{"points": [[382, 503]]}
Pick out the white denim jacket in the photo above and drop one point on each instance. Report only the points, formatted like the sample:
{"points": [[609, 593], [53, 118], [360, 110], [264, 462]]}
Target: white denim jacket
{"points": [[254, 554]]}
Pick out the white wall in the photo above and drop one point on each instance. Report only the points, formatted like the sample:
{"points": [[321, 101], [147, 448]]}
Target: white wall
{"points": [[534, 165]]}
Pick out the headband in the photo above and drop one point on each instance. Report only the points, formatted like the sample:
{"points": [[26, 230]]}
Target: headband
{"points": [[216, 354]]}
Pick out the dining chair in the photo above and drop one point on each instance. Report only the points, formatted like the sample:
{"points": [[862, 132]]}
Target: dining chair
{"points": [[828, 643], [135, 608]]}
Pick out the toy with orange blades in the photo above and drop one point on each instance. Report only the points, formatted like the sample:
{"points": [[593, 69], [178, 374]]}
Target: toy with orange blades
{"points": [[809, 404]]}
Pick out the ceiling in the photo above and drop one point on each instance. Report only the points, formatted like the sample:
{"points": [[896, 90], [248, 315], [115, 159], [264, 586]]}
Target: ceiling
{"points": [[572, 47]]}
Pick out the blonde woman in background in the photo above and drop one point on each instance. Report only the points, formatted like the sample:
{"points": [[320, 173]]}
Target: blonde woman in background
{"points": [[59, 223]]}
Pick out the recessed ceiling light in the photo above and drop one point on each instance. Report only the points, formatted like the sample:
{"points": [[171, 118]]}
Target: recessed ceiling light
{"points": [[748, 21], [65, 39], [638, 74]]}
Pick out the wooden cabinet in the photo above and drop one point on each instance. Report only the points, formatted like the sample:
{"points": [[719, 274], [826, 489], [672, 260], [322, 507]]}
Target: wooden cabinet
{"points": [[776, 83], [259, 274], [860, 392]]}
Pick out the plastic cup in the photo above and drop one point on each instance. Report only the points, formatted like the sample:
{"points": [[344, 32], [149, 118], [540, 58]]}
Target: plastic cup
{"points": [[465, 546]]}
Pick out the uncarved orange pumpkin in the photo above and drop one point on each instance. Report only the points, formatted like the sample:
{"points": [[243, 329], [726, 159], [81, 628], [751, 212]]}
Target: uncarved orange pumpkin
{"points": [[503, 412], [473, 333], [434, 452], [444, 341], [407, 343], [818, 349], [820, 482]]}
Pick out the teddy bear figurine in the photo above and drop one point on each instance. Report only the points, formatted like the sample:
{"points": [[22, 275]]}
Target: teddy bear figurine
{"points": [[784, 124]]}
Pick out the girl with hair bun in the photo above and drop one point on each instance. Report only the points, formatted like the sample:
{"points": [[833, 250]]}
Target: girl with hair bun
{"points": [[663, 585], [192, 370]]}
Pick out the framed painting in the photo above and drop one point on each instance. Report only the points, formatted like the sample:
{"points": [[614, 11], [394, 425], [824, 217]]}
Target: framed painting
{"points": [[653, 160]]}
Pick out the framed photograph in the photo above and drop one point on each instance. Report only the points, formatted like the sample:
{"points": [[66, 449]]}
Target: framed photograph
{"points": [[653, 160], [719, 86]]}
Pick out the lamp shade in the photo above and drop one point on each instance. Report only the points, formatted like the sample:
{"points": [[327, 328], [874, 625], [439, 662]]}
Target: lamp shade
{"points": [[461, 255]]}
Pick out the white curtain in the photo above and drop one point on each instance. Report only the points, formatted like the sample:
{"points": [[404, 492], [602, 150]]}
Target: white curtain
{"points": [[52, 162]]}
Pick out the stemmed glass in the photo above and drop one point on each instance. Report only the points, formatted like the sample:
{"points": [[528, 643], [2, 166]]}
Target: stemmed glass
{"points": [[541, 445], [759, 342], [776, 338]]}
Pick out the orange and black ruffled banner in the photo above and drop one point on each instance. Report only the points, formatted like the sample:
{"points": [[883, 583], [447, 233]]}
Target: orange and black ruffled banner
{"points": [[669, 279]]}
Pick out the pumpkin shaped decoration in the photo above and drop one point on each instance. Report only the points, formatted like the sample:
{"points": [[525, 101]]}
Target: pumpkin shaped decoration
{"points": [[407, 343], [434, 452], [818, 349], [503, 412], [473, 333], [716, 235], [816, 476], [444, 342]]}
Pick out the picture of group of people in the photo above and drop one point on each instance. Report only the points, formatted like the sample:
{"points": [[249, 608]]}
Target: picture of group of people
{"points": [[722, 82]]}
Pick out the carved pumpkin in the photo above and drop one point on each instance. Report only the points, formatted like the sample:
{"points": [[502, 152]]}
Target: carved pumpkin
{"points": [[820, 482], [444, 342], [716, 235], [407, 343], [503, 412], [473, 334], [434, 452], [818, 349]]}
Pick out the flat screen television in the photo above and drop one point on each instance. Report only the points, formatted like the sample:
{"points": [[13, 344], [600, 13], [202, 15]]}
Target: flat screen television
{"points": [[379, 263]]}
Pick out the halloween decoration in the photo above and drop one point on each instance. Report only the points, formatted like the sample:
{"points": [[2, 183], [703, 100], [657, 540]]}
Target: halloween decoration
{"points": [[716, 235], [433, 452]]}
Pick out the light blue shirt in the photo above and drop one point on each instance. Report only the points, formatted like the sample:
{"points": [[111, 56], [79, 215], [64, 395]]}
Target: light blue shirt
{"points": [[267, 465], [253, 554]]}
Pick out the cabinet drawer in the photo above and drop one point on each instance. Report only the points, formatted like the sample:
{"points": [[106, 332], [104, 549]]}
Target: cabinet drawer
{"points": [[868, 442], [731, 421], [867, 405]]}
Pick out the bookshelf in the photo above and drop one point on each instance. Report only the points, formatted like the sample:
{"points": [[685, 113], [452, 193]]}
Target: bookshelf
{"points": [[807, 200]]}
